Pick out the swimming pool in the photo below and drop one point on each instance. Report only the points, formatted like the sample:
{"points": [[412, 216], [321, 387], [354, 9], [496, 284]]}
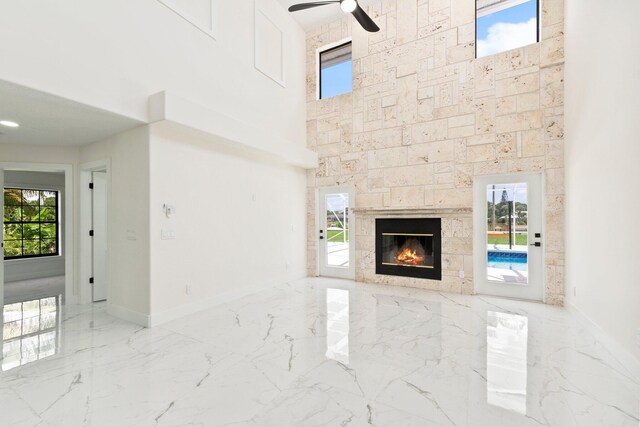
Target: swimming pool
{"points": [[516, 261]]}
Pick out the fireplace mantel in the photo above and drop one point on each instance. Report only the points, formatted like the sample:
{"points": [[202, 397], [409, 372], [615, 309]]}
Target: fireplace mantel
{"points": [[409, 212]]}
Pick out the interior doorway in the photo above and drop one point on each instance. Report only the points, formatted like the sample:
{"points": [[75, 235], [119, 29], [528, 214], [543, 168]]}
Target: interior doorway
{"points": [[509, 236], [94, 230], [335, 232], [36, 272]]}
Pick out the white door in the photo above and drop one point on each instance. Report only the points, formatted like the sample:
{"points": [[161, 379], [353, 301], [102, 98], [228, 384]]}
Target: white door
{"points": [[99, 240], [335, 226], [509, 236]]}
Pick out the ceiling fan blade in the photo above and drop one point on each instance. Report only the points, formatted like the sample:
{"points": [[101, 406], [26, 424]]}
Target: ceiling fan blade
{"points": [[365, 20], [303, 6]]}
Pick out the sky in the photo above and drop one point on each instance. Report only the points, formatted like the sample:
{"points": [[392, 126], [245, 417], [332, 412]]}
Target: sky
{"points": [[336, 79], [515, 191], [507, 29], [337, 202]]}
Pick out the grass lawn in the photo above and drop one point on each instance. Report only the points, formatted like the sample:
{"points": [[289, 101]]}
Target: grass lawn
{"points": [[334, 236], [521, 239]]}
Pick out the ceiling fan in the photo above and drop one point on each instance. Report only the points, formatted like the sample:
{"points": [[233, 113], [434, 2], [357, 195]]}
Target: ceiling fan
{"points": [[347, 6]]}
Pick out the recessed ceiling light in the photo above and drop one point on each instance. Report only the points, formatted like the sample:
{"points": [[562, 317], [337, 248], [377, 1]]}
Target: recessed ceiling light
{"points": [[9, 124]]}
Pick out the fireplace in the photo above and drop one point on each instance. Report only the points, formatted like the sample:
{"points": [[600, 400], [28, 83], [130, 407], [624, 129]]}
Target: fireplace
{"points": [[409, 247]]}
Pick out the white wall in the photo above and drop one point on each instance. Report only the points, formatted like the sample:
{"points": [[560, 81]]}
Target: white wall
{"points": [[114, 54], [602, 173], [33, 268], [128, 221], [239, 224]]}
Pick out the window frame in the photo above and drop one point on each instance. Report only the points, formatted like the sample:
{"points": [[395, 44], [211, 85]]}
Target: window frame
{"points": [[538, 28], [328, 48], [56, 222]]}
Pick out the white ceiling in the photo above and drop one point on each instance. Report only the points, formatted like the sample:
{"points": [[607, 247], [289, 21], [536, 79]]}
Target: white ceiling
{"points": [[51, 120], [311, 18]]}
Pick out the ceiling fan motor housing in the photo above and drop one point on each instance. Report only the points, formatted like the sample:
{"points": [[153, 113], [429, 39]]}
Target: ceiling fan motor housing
{"points": [[348, 6]]}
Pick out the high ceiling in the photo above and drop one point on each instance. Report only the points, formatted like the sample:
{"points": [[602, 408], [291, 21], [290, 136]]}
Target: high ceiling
{"points": [[51, 120], [311, 18]]}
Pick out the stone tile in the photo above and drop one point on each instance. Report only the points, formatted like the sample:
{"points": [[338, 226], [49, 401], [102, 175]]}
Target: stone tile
{"points": [[407, 196], [421, 174], [388, 157], [431, 152]]}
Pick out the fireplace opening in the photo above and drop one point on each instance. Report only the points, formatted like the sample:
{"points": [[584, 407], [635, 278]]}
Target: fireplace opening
{"points": [[411, 250], [408, 247]]}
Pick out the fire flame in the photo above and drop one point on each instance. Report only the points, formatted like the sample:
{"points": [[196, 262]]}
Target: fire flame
{"points": [[408, 256]]}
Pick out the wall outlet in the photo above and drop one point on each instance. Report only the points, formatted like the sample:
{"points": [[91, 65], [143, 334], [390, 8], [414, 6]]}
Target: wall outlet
{"points": [[461, 274], [188, 289], [167, 235], [131, 234]]}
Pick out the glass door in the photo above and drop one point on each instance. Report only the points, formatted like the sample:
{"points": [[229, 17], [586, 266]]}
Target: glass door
{"points": [[507, 232], [508, 238], [337, 252]]}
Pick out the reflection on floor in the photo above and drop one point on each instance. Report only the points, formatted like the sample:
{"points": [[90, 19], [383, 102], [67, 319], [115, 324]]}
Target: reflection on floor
{"points": [[30, 331], [507, 336], [27, 290], [322, 352]]}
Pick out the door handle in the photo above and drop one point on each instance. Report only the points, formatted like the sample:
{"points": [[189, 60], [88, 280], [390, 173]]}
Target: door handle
{"points": [[537, 244]]}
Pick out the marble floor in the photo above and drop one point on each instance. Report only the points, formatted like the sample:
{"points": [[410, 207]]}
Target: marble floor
{"points": [[316, 352]]}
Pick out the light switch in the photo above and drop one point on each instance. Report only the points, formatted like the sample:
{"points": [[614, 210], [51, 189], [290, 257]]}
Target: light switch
{"points": [[168, 210]]}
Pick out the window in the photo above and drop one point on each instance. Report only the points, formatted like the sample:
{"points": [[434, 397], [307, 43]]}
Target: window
{"points": [[336, 74], [30, 223], [502, 25]]}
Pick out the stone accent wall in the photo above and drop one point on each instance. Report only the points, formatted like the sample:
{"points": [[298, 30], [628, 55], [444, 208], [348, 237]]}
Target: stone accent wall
{"points": [[425, 118]]}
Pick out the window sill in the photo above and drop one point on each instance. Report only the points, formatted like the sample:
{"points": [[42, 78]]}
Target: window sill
{"points": [[35, 258]]}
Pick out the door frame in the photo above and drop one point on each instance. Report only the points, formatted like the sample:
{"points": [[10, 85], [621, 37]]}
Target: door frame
{"points": [[351, 190], [70, 296], [86, 216], [479, 226]]}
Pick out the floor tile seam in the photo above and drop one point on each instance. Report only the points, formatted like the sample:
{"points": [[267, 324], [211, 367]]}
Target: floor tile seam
{"points": [[27, 404], [32, 409]]}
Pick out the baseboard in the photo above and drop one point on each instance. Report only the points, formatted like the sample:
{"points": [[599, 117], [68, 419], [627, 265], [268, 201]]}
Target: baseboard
{"points": [[156, 319], [27, 271], [129, 315], [617, 350]]}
